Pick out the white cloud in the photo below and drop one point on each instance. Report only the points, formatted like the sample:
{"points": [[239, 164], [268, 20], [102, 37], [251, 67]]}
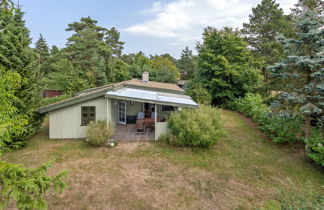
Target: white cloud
{"points": [[183, 20]]}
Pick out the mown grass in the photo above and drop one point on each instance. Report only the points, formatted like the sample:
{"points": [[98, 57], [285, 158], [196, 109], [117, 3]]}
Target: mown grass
{"points": [[244, 171]]}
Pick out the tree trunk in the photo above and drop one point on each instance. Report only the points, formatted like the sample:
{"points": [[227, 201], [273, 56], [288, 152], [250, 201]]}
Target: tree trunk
{"points": [[307, 133]]}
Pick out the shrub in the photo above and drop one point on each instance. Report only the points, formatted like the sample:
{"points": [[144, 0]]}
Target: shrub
{"points": [[27, 186], [98, 132], [279, 128], [198, 93], [282, 129], [252, 106], [316, 144], [199, 127]]}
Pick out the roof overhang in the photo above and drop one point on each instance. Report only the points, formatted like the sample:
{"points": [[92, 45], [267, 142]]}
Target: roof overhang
{"points": [[153, 97]]}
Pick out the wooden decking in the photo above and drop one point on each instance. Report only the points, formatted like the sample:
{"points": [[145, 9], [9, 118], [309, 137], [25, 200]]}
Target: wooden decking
{"points": [[129, 133]]}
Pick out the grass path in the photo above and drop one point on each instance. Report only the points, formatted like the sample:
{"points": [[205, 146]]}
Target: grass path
{"points": [[244, 170]]}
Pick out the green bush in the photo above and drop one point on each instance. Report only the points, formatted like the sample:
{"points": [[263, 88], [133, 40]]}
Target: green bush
{"points": [[27, 186], [280, 129], [316, 144], [199, 127], [198, 93], [98, 132]]}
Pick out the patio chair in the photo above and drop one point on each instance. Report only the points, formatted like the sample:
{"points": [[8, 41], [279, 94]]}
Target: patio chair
{"points": [[139, 122], [140, 115]]}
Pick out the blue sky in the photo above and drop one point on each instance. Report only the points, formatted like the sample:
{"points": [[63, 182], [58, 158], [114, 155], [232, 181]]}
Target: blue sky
{"points": [[154, 27]]}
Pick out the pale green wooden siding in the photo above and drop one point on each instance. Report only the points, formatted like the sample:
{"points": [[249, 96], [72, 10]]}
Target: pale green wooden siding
{"points": [[133, 109], [161, 128], [65, 123]]}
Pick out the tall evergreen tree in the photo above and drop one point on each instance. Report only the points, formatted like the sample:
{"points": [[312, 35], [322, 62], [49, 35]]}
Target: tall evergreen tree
{"points": [[112, 37], [54, 50], [43, 54], [187, 64], [88, 52], [301, 73], [16, 56], [266, 21]]}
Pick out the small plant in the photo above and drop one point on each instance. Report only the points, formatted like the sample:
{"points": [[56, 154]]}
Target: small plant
{"points": [[199, 127], [99, 132], [301, 198], [28, 186], [316, 144]]}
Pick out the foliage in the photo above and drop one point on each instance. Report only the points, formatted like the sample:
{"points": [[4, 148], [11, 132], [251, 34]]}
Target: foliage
{"points": [[43, 54], [301, 73], [187, 64], [226, 67], [252, 105], [199, 127], [16, 56], [302, 198], [90, 59], [265, 22], [120, 71], [316, 145], [198, 93], [279, 128], [28, 186], [63, 77], [164, 70], [112, 40], [11, 123], [47, 101], [91, 56], [99, 132]]}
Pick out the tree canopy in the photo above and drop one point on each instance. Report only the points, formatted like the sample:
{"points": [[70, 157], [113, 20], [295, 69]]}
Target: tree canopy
{"points": [[226, 67]]}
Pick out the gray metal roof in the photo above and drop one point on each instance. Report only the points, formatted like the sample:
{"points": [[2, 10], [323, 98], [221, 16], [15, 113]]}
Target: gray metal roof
{"points": [[152, 97]]}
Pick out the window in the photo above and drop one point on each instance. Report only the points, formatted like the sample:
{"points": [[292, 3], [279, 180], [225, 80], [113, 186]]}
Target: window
{"points": [[88, 113], [167, 108]]}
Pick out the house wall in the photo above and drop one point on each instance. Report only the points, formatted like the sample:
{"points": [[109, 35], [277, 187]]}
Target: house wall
{"points": [[65, 123]]}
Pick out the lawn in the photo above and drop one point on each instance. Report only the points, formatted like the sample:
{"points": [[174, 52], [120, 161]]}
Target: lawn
{"points": [[244, 170]]}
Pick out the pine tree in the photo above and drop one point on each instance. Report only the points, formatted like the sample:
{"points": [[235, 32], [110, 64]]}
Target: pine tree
{"points": [[266, 21], [88, 52], [54, 50], [112, 37], [43, 54], [16, 56], [301, 73], [187, 64]]}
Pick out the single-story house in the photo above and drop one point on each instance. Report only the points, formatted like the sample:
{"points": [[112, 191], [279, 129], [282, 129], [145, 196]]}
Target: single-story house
{"points": [[138, 108]]}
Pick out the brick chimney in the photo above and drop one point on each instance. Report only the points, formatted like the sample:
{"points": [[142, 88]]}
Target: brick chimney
{"points": [[145, 77]]}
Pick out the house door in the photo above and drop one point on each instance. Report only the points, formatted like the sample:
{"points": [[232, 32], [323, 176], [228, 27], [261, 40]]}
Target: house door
{"points": [[122, 112]]}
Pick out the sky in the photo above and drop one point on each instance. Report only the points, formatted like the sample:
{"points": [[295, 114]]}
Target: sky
{"points": [[150, 26]]}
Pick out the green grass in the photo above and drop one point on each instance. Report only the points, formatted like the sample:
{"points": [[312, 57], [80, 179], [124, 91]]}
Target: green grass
{"points": [[244, 170]]}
